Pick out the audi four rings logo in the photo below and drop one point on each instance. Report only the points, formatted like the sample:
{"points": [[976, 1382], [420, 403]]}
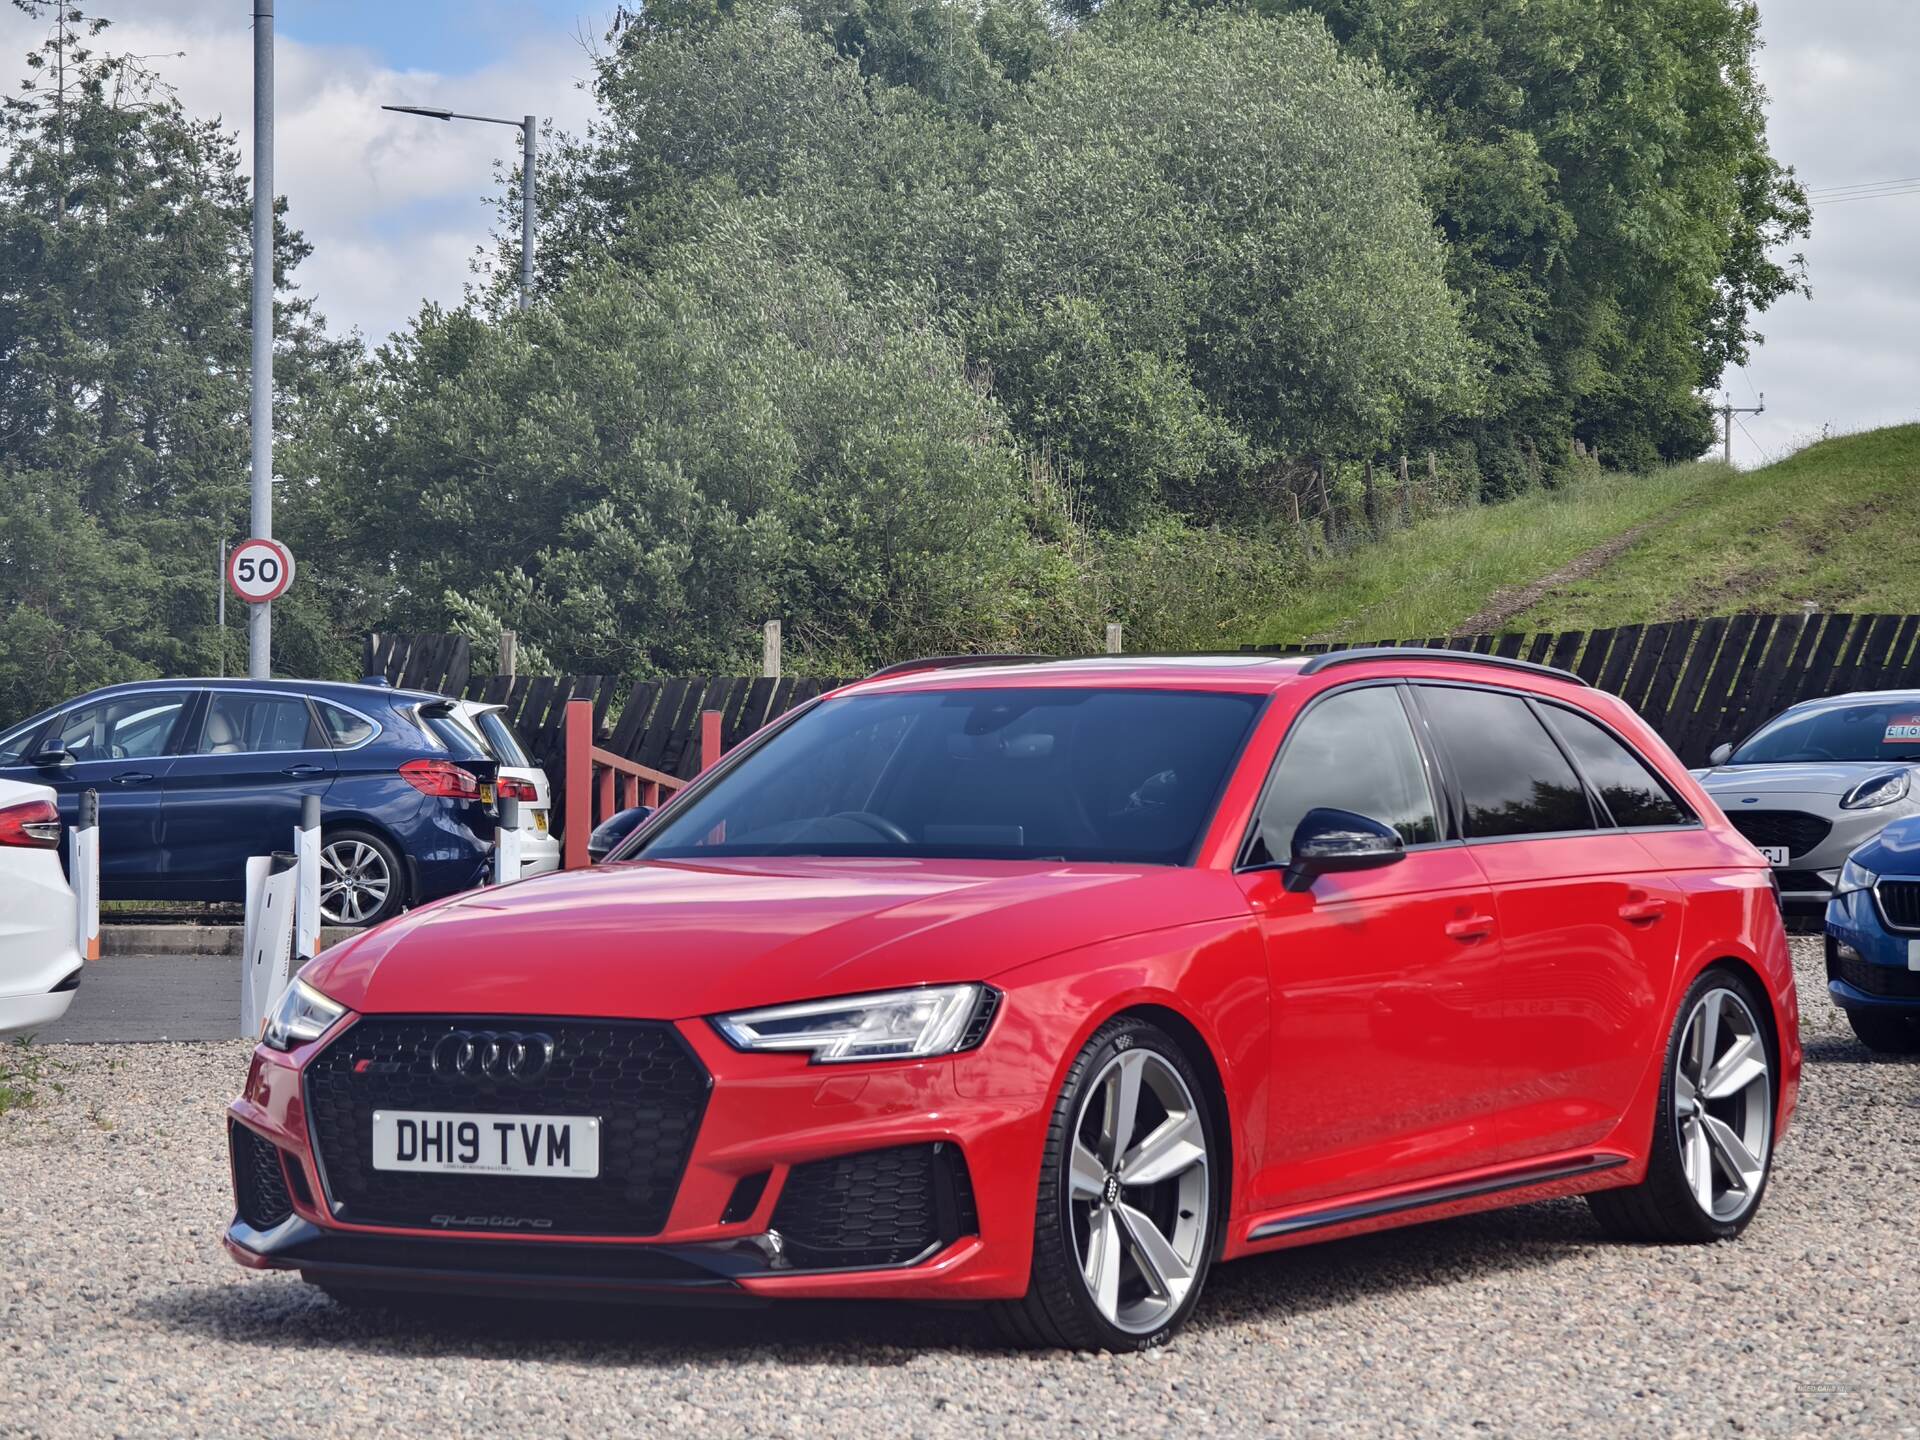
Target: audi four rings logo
{"points": [[493, 1055]]}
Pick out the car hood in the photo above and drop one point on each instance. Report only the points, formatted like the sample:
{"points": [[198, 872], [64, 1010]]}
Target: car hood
{"points": [[668, 940], [1895, 851], [1824, 777]]}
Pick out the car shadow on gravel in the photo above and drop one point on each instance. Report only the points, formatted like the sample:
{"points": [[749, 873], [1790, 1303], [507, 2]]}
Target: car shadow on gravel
{"points": [[280, 1313]]}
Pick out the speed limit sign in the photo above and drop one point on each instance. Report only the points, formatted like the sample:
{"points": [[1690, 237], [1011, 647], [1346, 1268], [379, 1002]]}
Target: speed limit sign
{"points": [[260, 570]]}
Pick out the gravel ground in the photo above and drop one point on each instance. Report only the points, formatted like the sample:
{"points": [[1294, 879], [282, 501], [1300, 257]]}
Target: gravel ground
{"points": [[120, 1315]]}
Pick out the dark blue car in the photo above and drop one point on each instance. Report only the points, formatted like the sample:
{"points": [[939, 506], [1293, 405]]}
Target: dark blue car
{"points": [[1873, 939], [196, 775]]}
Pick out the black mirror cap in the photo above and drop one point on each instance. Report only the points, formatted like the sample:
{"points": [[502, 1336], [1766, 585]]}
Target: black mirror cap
{"points": [[612, 830], [52, 757], [1329, 841]]}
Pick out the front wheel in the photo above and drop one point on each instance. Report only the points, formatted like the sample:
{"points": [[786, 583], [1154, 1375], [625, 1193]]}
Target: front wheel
{"points": [[1713, 1129], [1128, 1207]]}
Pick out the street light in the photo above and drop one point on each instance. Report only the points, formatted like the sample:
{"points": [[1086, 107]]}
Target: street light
{"points": [[525, 126]]}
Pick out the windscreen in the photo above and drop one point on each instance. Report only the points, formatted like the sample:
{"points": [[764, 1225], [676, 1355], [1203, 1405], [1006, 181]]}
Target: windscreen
{"points": [[1068, 774], [1882, 730]]}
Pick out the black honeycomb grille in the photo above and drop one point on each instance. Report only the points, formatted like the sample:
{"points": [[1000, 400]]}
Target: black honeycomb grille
{"points": [[638, 1079], [1883, 980], [877, 1207], [1798, 831], [1900, 903], [259, 1184]]}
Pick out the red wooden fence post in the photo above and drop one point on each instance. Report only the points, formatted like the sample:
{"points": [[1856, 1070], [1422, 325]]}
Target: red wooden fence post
{"points": [[573, 846], [709, 739]]}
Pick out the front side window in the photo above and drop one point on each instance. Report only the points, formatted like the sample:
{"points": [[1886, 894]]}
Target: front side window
{"points": [[1354, 751], [1512, 777], [1633, 794], [243, 724], [1119, 775], [131, 727], [1882, 731]]}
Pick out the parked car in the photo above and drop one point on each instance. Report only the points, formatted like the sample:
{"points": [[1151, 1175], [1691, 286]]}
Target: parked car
{"points": [[1050, 985], [1873, 940], [518, 778], [1819, 780], [194, 776], [40, 959]]}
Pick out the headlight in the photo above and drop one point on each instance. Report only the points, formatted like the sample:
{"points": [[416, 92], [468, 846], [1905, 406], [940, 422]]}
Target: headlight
{"points": [[1854, 876], [897, 1025], [1872, 794], [303, 1014]]}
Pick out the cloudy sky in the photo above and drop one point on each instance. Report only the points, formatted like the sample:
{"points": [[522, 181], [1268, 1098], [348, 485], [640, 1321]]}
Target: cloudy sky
{"points": [[396, 206]]}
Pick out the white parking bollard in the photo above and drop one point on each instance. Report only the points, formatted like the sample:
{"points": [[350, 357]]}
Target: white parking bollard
{"points": [[266, 960], [306, 905], [506, 843], [83, 874]]}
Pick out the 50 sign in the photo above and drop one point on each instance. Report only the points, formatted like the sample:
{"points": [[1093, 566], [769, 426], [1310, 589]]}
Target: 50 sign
{"points": [[260, 570]]}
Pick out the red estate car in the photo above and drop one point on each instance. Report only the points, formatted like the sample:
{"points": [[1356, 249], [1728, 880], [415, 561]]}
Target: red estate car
{"points": [[1050, 984]]}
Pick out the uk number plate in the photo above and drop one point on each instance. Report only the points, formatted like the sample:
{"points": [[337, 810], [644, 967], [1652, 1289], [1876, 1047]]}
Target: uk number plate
{"points": [[540, 821], [552, 1147], [1774, 854]]}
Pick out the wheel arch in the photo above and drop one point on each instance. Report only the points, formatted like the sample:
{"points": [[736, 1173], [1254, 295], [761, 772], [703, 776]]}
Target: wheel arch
{"points": [[1199, 1052]]}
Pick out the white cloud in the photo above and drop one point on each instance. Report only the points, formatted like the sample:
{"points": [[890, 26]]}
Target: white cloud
{"points": [[394, 205]]}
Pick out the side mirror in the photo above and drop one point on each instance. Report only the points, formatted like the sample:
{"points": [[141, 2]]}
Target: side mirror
{"points": [[52, 756], [1720, 754], [1329, 841], [612, 830]]}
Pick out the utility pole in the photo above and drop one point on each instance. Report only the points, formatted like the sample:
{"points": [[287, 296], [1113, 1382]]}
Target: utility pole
{"points": [[527, 125], [1726, 410], [260, 617]]}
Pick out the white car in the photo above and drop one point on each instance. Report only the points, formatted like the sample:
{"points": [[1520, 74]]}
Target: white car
{"points": [[519, 778], [39, 916]]}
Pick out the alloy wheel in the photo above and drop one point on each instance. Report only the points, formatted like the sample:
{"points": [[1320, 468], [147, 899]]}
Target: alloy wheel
{"points": [[1723, 1105], [354, 882], [1139, 1190]]}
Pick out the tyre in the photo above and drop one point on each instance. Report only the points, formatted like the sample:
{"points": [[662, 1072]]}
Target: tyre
{"points": [[1129, 1205], [1712, 1146], [362, 881], [1890, 1034]]}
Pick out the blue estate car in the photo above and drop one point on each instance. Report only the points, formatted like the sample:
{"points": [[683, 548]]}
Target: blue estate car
{"points": [[194, 776], [1873, 939]]}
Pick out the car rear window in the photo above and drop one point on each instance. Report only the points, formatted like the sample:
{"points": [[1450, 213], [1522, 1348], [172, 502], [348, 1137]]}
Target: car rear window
{"points": [[501, 740], [1884, 730], [461, 742], [1117, 775]]}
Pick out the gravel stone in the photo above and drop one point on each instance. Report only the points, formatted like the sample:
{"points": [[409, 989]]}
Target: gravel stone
{"points": [[120, 1315]]}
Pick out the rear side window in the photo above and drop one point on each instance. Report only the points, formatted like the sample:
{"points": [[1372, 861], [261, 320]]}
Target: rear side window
{"points": [[1352, 751], [344, 728], [243, 724], [1513, 778], [1634, 795]]}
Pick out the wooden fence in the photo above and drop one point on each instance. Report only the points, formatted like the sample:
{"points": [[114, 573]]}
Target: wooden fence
{"points": [[1699, 682]]}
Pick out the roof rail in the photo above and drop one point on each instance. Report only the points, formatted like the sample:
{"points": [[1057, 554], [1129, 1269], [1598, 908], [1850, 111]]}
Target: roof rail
{"points": [[1419, 652], [958, 662]]}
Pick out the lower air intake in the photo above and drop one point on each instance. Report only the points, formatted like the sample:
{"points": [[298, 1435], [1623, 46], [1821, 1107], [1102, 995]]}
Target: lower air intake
{"points": [[259, 1184], [876, 1207]]}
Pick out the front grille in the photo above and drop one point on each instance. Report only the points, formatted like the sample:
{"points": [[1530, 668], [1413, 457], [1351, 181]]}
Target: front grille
{"points": [[1795, 829], [877, 1207], [639, 1079], [259, 1184], [1801, 881], [1887, 981], [1900, 903]]}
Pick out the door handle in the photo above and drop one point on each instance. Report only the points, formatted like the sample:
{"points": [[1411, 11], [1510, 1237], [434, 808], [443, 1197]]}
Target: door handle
{"points": [[132, 777], [1471, 927], [1643, 911], [302, 771]]}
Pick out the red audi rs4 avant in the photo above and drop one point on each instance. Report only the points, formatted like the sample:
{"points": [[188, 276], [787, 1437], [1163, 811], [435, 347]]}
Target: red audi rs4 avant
{"points": [[1049, 985]]}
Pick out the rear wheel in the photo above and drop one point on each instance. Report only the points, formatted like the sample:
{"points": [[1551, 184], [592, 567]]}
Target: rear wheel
{"points": [[1127, 1214], [1713, 1130], [1891, 1034], [361, 879]]}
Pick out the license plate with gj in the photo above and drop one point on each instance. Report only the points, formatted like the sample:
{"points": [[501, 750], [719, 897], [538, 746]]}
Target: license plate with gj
{"points": [[552, 1147], [1773, 854]]}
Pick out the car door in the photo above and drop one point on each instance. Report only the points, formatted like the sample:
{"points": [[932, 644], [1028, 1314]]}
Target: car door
{"points": [[120, 747], [1382, 980], [1589, 923], [237, 790]]}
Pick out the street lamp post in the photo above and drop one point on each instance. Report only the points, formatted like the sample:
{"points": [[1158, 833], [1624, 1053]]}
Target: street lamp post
{"points": [[526, 126]]}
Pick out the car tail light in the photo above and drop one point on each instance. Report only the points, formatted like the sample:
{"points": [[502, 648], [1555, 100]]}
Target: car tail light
{"points": [[442, 778], [34, 824], [518, 790]]}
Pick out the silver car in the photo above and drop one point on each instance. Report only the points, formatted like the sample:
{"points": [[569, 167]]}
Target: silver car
{"points": [[1818, 780]]}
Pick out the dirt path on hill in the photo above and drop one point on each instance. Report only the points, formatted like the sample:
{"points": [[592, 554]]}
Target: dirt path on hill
{"points": [[1513, 600]]}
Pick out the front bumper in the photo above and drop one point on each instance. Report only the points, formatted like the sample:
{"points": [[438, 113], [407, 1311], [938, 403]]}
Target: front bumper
{"points": [[765, 1116], [1869, 967]]}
